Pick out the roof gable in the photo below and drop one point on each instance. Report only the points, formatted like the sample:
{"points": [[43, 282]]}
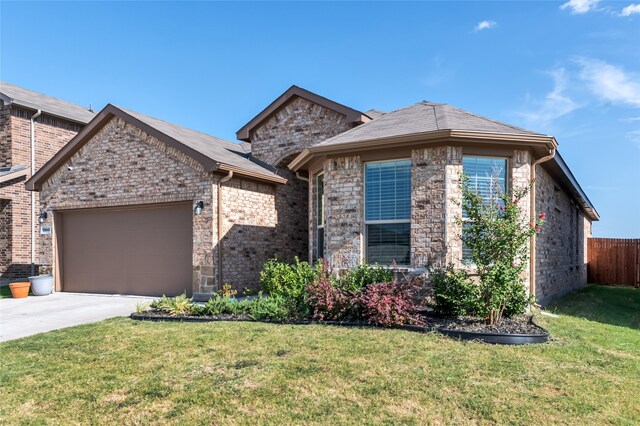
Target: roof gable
{"points": [[10, 93], [351, 114], [213, 153]]}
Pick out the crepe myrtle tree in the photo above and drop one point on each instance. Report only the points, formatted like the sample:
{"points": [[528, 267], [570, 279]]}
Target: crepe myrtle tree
{"points": [[496, 235]]}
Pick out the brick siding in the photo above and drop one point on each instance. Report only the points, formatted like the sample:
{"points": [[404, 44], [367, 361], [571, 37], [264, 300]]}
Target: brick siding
{"points": [[561, 245], [51, 134]]}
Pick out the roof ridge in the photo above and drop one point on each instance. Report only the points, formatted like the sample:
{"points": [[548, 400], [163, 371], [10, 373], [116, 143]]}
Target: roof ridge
{"points": [[238, 144], [385, 117], [491, 119]]}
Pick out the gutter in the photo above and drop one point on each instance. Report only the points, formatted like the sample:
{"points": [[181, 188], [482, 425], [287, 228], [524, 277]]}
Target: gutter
{"points": [[532, 218], [421, 138], [220, 182], [32, 126]]}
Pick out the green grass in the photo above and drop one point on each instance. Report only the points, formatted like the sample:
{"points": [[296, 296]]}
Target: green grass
{"points": [[5, 292], [125, 372]]}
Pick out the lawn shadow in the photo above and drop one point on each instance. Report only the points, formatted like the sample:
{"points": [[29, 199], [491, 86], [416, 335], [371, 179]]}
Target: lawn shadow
{"points": [[604, 304]]}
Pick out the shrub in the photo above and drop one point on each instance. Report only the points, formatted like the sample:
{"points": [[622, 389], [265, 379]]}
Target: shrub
{"points": [[328, 301], [142, 307], [454, 292], [179, 305], [389, 303], [272, 308], [364, 274], [497, 236], [222, 305], [288, 282]]}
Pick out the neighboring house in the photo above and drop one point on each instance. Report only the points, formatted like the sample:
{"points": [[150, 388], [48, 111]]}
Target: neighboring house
{"points": [[142, 206], [33, 127]]}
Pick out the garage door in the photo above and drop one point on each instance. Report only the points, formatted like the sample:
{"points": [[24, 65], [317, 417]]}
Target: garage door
{"points": [[144, 251]]}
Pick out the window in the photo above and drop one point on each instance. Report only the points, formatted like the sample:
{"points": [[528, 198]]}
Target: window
{"points": [[387, 211], [320, 214], [486, 175]]}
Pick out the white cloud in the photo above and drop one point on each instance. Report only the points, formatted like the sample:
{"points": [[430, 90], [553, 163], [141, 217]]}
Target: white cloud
{"points": [[580, 6], [634, 136], [555, 104], [484, 25], [609, 82], [631, 9]]}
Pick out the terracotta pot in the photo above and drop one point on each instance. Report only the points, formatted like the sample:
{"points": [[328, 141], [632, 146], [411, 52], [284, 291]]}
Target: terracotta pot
{"points": [[19, 290]]}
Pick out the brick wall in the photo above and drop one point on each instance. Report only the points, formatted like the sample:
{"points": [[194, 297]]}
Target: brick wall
{"points": [[435, 196], [435, 179], [5, 232], [51, 134], [344, 211], [122, 165], [561, 246], [5, 135], [295, 126]]}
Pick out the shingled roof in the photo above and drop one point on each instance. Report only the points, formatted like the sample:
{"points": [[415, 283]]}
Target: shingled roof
{"points": [[422, 117], [212, 152], [10, 93]]}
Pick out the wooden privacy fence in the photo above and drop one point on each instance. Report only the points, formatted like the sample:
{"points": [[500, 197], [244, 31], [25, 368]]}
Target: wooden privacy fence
{"points": [[614, 261]]}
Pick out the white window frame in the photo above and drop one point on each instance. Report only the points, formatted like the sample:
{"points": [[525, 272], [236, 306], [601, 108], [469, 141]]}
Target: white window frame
{"points": [[381, 222]]}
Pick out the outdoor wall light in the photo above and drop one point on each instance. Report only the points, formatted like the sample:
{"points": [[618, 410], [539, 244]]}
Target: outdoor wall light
{"points": [[198, 208], [43, 217]]}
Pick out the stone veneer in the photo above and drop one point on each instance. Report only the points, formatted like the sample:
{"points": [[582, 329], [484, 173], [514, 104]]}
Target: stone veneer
{"points": [[561, 246], [51, 134]]}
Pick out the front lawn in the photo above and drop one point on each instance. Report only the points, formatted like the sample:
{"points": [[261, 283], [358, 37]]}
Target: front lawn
{"points": [[5, 292], [125, 372]]}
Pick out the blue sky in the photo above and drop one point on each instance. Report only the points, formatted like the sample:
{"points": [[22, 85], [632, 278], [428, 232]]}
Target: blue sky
{"points": [[567, 69]]}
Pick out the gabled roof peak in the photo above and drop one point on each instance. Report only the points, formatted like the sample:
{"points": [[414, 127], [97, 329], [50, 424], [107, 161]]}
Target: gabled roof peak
{"points": [[213, 153], [352, 115]]}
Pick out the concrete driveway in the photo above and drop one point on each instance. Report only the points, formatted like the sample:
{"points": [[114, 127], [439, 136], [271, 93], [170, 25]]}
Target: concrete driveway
{"points": [[38, 314]]}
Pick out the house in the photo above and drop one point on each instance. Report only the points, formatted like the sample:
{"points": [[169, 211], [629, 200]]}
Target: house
{"points": [[142, 206], [33, 127]]}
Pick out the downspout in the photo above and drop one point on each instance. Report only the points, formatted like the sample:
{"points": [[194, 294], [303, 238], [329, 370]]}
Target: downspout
{"points": [[532, 217], [33, 194], [220, 182], [309, 215]]}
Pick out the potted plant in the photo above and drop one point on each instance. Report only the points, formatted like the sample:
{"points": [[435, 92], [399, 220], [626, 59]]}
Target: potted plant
{"points": [[19, 290], [41, 285]]}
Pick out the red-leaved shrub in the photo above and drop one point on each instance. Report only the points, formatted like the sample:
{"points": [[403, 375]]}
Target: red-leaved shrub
{"points": [[328, 301], [389, 303], [386, 304]]}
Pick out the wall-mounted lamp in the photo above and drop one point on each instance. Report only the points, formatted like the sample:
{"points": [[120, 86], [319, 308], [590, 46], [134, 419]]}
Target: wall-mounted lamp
{"points": [[198, 208], [43, 217]]}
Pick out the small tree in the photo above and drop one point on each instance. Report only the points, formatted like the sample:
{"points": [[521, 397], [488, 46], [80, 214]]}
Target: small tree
{"points": [[497, 237]]}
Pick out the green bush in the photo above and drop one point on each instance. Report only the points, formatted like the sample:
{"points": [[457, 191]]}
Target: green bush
{"points": [[288, 282], [273, 308], [179, 305], [364, 274], [454, 292], [221, 305]]}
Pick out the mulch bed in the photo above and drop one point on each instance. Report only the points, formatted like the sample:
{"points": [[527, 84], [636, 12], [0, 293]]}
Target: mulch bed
{"points": [[471, 328], [517, 325]]}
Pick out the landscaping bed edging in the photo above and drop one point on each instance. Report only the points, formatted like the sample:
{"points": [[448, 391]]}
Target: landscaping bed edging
{"points": [[486, 337]]}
